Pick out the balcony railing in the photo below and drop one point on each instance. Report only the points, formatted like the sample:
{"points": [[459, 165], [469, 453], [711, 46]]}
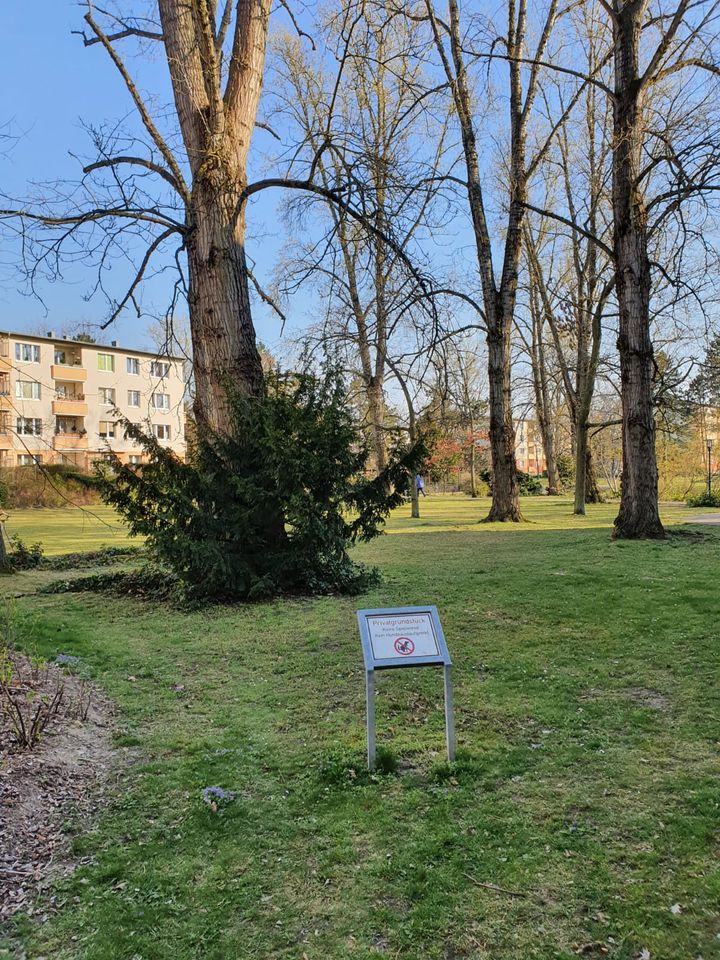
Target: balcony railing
{"points": [[70, 406], [70, 441], [72, 372]]}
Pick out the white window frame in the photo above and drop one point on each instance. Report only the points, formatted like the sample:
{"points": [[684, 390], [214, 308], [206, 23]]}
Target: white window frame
{"points": [[101, 396], [160, 364], [108, 434], [106, 356], [34, 384], [32, 348], [130, 395], [132, 366], [165, 428], [29, 459], [165, 397], [35, 424]]}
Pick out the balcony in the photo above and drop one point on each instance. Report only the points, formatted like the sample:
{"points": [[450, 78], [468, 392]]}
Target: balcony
{"points": [[70, 441], [70, 406], [71, 372]]}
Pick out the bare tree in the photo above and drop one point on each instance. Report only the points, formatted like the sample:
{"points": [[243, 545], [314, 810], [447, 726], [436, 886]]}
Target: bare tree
{"points": [[364, 126], [499, 289], [651, 43], [215, 57]]}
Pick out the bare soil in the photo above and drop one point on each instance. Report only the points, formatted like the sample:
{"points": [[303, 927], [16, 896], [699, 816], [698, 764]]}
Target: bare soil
{"points": [[63, 778]]}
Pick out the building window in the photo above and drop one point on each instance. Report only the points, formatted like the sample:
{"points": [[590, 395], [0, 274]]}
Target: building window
{"points": [[161, 401], [4, 422], [161, 431], [107, 396], [134, 458], [133, 365], [159, 369], [67, 425], [107, 429], [27, 352], [29, 459], [133, 398], [29, 426], [106, 362], [27, 390]]}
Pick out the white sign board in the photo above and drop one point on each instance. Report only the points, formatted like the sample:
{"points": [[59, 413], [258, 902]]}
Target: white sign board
{"points": [[402, 637]]}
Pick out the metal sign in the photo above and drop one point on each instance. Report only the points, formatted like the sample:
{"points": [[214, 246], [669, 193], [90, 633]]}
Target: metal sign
{"points": [[404, 637]]}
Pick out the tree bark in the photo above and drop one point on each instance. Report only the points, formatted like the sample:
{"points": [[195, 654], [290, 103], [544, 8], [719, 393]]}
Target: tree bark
{"points": [[225, 353], [639, 514], [376, 410], [216, 128], [505, 504], [592, 490]]}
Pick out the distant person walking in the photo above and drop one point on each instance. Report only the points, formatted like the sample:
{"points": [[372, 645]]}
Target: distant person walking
{"points": [[420, 485]]}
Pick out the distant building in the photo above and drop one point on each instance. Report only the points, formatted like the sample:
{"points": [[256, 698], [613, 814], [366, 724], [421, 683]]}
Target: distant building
{"points": [[529, 452], [58, 400]]}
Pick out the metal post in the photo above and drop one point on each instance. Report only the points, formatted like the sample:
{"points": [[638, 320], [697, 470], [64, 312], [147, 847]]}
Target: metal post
{"points": [[370, 697], [449, 717]]}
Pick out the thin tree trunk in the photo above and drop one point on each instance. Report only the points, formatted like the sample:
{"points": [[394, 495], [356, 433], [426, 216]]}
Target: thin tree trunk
{"points": [[5, 562], [473, 457], [639, 514], [499, 300], [376, 409]]}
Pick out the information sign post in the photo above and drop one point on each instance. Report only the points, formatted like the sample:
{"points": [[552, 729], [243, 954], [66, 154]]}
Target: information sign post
{"points": [[404, 637]]}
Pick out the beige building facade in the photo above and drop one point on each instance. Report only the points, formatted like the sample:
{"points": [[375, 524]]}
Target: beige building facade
{"points": [[59, 400], [529, 451]]}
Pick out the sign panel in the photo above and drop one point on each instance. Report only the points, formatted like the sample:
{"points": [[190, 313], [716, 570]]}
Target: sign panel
{"points": [[402, 637], [406, 635]]}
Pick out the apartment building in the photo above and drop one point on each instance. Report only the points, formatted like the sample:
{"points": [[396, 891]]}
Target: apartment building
{"points": [[59, 397], [529, 452]]}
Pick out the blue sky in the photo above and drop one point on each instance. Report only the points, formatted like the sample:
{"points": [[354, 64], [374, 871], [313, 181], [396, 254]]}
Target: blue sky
{"points": [[51, 83]]}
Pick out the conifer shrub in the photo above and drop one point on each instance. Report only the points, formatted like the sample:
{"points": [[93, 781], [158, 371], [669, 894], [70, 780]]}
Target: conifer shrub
{"points": [[272, 507]]}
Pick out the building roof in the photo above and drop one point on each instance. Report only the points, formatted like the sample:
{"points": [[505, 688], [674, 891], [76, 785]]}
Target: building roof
{"points": [[112, 347]]}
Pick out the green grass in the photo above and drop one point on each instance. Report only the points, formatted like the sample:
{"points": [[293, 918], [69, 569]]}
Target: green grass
{"points": [[70, 529], [588, 712]]}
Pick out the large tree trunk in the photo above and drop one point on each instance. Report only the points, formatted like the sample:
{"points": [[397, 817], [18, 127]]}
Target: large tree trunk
{"points": [[225, 353], [592, 490], [586, 485], [216, 127], [505, 504], [639, 515]]}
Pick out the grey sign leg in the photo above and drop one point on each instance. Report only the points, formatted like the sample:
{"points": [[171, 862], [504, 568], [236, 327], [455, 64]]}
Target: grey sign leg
{"points": [[449, 713], [370, 692]]}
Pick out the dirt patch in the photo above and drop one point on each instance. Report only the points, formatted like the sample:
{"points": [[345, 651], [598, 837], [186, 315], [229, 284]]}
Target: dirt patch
{"points": [[64, 776], [643, 696]]}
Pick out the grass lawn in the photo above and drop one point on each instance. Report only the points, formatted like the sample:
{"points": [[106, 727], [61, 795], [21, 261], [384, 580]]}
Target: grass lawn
{"points": [[585, 802], [70, 529]]}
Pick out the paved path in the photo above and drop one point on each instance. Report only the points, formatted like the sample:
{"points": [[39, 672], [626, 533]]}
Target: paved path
{"points": [[712, 518]]}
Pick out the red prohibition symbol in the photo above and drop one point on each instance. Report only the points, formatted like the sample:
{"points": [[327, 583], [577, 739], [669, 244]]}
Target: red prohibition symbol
{"points": [[404, 646]]}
